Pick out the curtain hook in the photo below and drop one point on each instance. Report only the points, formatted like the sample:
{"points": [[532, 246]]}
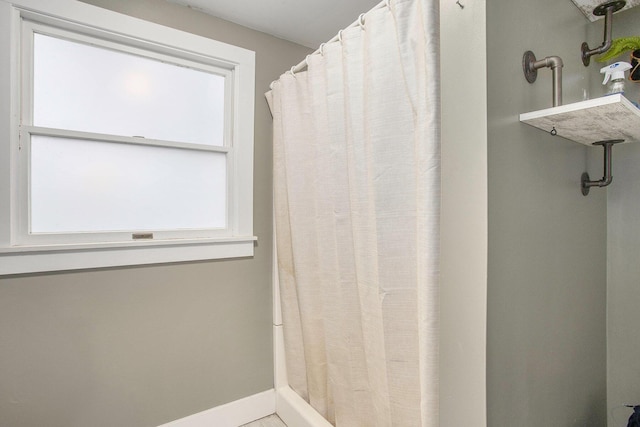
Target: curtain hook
{"points": [[322, 48], [361, 21], [271, 85], [340, 36]]}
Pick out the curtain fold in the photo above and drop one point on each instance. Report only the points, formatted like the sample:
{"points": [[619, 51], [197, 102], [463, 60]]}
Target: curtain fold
{"points": [[357, 205]]}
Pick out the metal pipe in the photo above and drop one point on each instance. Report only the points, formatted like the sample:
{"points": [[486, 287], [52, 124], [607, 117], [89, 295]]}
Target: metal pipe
{"points": [[606, 44], [607, 178], [555, 63], [606, 9]]}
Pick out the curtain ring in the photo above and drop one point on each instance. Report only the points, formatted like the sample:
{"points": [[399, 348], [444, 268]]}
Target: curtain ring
{"points": [[361, 21], [340, 36], [322, 48], [293, 71], [306, 61], [271, 85]]}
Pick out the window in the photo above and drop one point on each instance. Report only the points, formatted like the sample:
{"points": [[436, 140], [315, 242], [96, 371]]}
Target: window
{"points": [[122, 143]]}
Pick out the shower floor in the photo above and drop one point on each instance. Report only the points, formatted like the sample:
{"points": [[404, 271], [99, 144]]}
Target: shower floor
{"points": [[270, 421]]}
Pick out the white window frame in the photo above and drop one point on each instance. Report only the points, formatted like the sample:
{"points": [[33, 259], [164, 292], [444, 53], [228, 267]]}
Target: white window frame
{"points": [[24, 253]]}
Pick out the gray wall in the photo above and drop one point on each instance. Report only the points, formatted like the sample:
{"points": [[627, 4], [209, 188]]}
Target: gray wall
{"points": [[143, 346], [623, 296], [547, 263], [623, 270]]}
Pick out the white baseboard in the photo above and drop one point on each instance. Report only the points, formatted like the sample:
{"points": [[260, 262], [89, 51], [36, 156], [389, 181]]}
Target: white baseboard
{"points": [[232, 414], [295, 411]]}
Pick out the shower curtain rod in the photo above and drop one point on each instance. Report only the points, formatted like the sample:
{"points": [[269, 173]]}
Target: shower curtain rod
{"points": [[360, 21]]}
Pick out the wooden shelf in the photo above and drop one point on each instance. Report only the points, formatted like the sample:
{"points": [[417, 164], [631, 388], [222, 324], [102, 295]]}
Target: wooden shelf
{"points": [[586, 122]]}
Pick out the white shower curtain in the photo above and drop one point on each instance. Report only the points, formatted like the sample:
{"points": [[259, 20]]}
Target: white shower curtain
{"points": [[357, 202]]}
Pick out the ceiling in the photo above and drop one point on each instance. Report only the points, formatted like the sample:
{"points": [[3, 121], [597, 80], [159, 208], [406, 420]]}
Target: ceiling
{"points": [[306, 22], [311, 22]]}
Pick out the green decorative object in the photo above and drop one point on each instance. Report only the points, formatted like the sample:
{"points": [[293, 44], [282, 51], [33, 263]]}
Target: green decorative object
{"points": [[619, 46]]}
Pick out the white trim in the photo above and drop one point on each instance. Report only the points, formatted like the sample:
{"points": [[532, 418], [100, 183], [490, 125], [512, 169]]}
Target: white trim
{"points": [[275, 279], [295, 412], [232, 414], [93, 17], [32, 260], [280, 378], [131, 140], [9, 112]]}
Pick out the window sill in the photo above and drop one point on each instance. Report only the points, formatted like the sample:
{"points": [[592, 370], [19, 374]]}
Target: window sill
{"points": [[38, 259]]}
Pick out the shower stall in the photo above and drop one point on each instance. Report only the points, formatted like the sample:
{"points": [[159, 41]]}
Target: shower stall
{"points": [[463, 209], [525, 273]]}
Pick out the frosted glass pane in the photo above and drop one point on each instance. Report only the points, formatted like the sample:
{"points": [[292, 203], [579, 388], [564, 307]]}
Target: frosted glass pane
{"points": [[81, 186], [87, 88]]}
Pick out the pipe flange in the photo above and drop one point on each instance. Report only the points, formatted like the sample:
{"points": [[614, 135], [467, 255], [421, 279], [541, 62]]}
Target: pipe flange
{"points": [[530, 72], [601, 10], [584, 188], [584, 54], [608, 141]]}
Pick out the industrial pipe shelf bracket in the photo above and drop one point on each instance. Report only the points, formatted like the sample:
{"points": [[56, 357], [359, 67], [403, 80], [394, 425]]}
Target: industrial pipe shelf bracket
{"points": [[607, 10], [530, 66], [585, 182]]}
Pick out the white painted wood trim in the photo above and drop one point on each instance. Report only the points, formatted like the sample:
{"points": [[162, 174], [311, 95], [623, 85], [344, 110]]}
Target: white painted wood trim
{"points": [[131, 140], [31, 260], [295, 412], [232, 414], [280, 378], [275, 280], [96, 17]]}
